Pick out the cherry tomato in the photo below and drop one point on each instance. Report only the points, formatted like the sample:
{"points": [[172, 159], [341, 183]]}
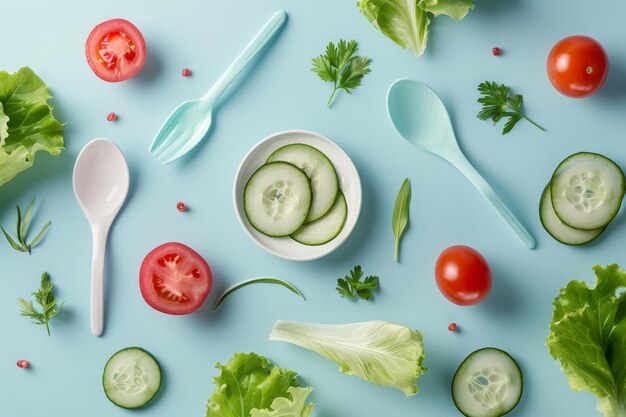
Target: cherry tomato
{"points": [[577, 66], [463, 275], [174, 279], [115, 50]]}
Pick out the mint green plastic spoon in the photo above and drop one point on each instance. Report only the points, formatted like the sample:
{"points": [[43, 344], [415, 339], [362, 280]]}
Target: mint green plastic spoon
{"points": [[420, 117]]}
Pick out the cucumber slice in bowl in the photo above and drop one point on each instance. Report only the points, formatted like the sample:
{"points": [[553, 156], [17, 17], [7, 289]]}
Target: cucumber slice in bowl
{"points": [[277, 199], [559, 230], [131, 378], [319, 169], [488, 383], [325, 229], [587, 190]]}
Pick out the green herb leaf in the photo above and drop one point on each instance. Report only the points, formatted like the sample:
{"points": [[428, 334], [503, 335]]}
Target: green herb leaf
{"points": [[352, 287], [401, 214], [498, 104], [341, 66], [251, 281], [45, 298], [22, 230]]}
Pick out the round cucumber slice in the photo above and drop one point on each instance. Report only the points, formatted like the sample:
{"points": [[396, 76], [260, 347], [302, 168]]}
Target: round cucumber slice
{"points": [[277, 199], [325, 229], [131, 378], [587, 190], [320, 170], [488, 383], [559, 230]]}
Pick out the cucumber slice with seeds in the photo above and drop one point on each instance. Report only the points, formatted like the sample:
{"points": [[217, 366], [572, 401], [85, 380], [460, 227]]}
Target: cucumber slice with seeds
{"points": [[277, 199], [320, 170], [131, 378], [325, 229], [559, 230], [488, 383], [587, 190]]}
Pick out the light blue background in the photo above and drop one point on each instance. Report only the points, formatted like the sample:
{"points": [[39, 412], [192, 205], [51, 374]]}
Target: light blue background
{"points": [[281, 93]]}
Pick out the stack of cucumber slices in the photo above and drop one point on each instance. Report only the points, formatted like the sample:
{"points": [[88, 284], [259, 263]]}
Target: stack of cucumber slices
{"points": [[583, 196], [296, 193]]}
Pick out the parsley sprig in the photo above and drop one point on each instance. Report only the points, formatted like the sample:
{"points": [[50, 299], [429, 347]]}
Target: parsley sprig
{"points": [[352, 287], [341, 66], [498, 103], [45, 298], [21, 244]]}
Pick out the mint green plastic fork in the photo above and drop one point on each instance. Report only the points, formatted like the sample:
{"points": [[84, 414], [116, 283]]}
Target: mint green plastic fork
{"points": [[189, 123], [420, 117]]}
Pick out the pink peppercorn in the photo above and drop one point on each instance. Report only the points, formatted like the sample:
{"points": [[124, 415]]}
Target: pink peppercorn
{"points": [[452, 327], [186, 72], [22, 363], [180, 206], [496, 51], [111, 116]]}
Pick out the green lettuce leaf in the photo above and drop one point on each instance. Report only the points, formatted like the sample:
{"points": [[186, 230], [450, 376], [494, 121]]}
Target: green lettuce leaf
{"points": [[588, 337], [456, 9], [402, 21], [249, 382], [30, 126], [377, 351], [283, 407], [406, 21]]}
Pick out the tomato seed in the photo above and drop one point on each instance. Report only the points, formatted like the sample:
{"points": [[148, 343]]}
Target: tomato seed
{"points": [[186, 72], [496, 51], [452, 327], [111, 116], [22, 363], [181, 206]]}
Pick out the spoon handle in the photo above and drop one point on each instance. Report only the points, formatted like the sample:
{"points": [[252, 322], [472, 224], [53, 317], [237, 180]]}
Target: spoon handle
{"points": [[485, 189], [99, 233], [255, 46]]}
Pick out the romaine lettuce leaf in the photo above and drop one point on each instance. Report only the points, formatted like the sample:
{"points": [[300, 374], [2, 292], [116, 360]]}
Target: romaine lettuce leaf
{"points": [[283, 407], [30, 127], [406, 21], [378, 351], [588, 337], [456, 9], [248, 382], [402, 21]]}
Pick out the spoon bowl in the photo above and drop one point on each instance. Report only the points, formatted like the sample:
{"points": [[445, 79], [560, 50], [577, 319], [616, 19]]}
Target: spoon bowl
{"points": [[421, 118], [101, 183]]}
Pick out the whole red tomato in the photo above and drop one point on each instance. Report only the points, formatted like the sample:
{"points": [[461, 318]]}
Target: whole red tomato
{"points": [[577, 66], [463, 275]]}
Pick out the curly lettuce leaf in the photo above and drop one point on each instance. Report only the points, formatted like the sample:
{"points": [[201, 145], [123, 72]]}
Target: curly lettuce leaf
{"points": [[248, 382], [30, 127], [406, 21], [456, 9], [377, 351], [283, 407], [402, 21], [588, 337]]}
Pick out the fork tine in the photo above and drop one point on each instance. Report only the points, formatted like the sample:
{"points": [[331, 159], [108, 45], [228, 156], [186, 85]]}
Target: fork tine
{"points": [[162, 135], [175, 146], [172, 136], [182, 150]]}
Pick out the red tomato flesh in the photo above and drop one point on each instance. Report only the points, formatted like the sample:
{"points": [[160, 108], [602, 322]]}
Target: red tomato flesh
{"points": [[174, 279], [463, 275], [577, 66], [115, 50]]}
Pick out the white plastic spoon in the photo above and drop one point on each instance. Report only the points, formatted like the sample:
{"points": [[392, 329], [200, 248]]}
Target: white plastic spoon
{"points": [[101, 183]]}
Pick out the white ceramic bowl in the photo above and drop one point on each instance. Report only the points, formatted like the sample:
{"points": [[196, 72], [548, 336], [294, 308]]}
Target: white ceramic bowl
{"points": [[349, 182]]}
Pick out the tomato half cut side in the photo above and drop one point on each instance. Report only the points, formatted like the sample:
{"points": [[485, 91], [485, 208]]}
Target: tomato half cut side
{"points": [[115, 50], [174, 279]]}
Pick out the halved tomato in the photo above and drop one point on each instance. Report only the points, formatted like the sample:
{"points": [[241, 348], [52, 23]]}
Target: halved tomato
{"points": [[115, 50], [174, 279]]}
